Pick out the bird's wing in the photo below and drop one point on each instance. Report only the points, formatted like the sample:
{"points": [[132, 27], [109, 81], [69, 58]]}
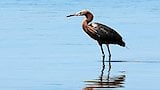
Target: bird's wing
{"points": [[105, 33]]}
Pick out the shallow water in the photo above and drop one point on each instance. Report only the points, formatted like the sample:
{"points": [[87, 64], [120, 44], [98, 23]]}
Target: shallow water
{"points": [[41, 49]]}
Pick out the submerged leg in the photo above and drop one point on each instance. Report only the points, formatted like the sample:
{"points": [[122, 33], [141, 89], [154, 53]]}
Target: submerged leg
{"points": [[109, 57]]}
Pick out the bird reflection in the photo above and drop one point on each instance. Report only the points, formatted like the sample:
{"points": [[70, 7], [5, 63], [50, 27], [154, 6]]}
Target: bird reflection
{"points": [[106, 81]]}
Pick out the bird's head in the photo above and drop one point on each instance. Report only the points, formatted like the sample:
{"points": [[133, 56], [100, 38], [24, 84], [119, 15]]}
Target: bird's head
{"points": [[80, 13]]}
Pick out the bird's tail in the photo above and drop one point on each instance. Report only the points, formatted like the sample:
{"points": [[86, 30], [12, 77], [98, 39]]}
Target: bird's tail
{"points": [[122, 43]]}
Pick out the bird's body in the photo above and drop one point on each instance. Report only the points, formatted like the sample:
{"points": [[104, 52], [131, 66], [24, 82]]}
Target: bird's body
{"points": [[106, 35], [100, 32]]}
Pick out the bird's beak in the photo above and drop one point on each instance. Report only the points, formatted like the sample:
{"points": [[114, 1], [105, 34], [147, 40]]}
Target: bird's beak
{"points": [[76, 14], [71, 15]]}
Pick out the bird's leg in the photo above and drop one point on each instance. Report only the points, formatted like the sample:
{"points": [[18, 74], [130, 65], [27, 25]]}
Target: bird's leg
{"points": [[109, 57], [103, 55], [103, 63]]}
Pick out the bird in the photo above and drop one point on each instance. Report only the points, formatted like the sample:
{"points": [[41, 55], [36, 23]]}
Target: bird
{"points": [[103, 34]]}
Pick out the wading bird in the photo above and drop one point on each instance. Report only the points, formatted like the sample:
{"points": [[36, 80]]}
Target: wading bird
{"points": [[100, 32]]}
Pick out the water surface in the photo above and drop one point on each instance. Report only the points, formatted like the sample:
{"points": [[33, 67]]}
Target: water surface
{"points": [[41, 49]]}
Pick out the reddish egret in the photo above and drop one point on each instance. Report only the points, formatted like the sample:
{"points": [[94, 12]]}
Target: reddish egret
{"points": [[102, 33]]}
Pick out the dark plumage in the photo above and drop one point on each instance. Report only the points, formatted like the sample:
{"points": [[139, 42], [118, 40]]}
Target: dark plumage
{"points": [[107, 35], [102, 33]]}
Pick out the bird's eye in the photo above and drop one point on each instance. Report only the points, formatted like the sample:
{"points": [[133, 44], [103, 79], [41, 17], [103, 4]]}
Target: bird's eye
{"points": [[81, 13]]}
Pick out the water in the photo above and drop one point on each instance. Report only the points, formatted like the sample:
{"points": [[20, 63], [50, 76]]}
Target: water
{"points": [[41, 49]]}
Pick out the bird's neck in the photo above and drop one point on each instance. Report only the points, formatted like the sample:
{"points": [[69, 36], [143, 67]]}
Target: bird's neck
{"points": [[88, 19]]}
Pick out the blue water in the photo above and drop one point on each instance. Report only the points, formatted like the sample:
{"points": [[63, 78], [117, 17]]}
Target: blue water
{"points": [[41, 49]]}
